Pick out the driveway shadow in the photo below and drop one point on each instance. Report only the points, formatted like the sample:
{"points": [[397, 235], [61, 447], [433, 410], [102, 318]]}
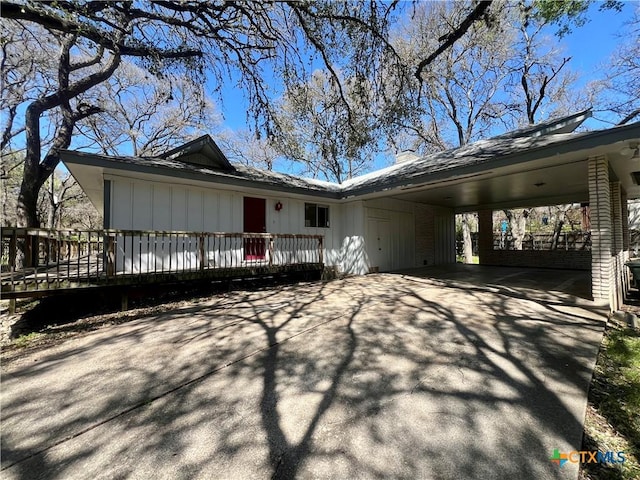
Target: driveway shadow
{"points": [[381, 376]]}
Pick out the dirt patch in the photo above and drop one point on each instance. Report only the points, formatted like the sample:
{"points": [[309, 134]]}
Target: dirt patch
{"points": [[52, 335]]}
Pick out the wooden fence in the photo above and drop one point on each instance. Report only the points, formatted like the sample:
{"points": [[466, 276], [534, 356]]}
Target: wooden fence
{"points": [[568, 241]]}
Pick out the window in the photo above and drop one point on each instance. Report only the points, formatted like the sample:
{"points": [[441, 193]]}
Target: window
{"points": [[316, 215]]}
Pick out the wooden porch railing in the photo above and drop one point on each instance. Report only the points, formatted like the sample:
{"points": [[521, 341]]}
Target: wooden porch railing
{"points": [[38, 259]]}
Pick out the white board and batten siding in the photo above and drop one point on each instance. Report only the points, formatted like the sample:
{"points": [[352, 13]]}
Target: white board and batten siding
{"points": [[363, 236], [353, 253], [390, 235], [434, 235], [403, 234], [141, 205], [151, 205], [444, 233]]}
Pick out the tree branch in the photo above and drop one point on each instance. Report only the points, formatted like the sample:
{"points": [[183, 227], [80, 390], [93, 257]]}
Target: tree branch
{"points": [[452, 37], [100, 37], [629, 117], [316, 43]]}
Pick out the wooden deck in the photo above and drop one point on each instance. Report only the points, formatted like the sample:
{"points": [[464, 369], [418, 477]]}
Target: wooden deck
{"points": [[37, 262]]}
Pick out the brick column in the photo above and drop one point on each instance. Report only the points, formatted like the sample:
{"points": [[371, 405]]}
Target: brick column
{"points": [[625, 221], [617, 244], [626, 275], [601, 231], [616, 217], [485, 236]]}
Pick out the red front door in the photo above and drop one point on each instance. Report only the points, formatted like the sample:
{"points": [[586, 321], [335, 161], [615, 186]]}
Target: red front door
{"points": [[255, 221]]}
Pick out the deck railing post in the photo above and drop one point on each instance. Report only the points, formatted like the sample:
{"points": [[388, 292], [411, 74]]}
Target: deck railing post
{"points": [[201, 250], [55, 246], [28, 250], [13, 244], [270, 250], [111, 255], [58, 256]]}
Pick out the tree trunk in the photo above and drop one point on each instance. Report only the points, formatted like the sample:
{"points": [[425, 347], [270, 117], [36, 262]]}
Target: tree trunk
{"points": [[37, 170], [27, 205], [467, 246], [518, 224], [557, 229], [556, 235], [51, 207]]}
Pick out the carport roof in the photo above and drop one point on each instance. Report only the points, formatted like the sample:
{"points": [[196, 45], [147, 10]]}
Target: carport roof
{"points": [[540, 145]]}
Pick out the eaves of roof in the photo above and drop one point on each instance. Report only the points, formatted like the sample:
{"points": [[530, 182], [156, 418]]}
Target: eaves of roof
{"points": [[241, 176], [470, 159], [483, 155]]}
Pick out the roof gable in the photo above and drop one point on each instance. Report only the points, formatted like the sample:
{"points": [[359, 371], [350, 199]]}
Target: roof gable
{"points": [[202, 151], [566, 124]]}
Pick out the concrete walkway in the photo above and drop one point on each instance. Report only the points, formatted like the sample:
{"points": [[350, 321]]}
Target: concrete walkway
{"points": [[384, 376]]}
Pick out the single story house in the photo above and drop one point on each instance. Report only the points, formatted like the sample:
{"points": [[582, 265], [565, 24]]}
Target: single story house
{"points": [[398, 217]]}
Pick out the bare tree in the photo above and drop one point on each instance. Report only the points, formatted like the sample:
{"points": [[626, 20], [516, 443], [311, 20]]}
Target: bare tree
{"points": [[26, 66], [479, 11], [461, 91], [619, 89], [139, 114], [560, 214], [145, 114], [329, 140], [541, 85], [73, 209], [500, 72], [65, 205], [246, 147], [517, 219], [62, 204], [9, 187], [220, 41]]}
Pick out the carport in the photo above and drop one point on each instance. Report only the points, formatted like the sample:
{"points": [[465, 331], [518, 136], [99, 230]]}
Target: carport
{"points": [[547, 164]]}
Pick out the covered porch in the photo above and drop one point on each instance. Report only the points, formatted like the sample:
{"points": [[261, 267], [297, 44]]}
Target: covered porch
{"points": [[599, 170]]}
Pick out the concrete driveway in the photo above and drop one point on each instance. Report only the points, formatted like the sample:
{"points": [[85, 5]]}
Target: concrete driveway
{"points": [[384, 376]]}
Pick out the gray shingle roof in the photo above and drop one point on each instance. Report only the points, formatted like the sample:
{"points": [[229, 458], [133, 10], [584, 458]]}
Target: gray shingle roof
{"points": [[240, 173], [476, 157], [472, 155]]}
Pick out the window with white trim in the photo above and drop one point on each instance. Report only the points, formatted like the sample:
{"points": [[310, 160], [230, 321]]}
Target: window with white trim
{"points": [[316, 215]]}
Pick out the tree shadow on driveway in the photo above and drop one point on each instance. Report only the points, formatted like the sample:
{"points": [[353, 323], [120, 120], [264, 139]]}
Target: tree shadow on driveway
{"points": [[373, 377]]}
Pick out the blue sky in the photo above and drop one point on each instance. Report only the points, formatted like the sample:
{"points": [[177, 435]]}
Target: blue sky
{"points": [[589, 46], [597, 40]]}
